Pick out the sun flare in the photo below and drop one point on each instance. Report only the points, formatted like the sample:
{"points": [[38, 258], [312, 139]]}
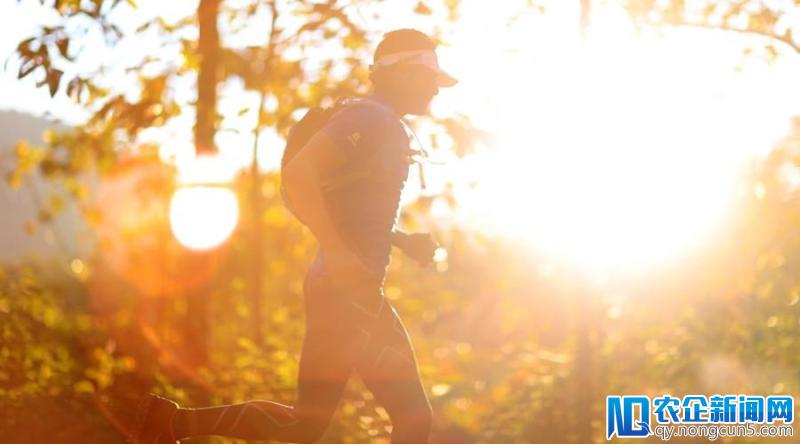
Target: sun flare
{"points": [[618, 152], [203, 217]]}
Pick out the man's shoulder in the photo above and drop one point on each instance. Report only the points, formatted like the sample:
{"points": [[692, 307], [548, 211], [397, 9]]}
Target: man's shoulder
{"points": [[371, 116]]}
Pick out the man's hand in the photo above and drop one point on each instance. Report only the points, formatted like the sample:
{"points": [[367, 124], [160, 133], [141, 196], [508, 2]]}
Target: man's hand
{"points": [[418, 246]]}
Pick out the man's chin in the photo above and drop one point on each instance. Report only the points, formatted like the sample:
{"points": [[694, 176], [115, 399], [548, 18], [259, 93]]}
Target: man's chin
{"points": [[421, 110]]}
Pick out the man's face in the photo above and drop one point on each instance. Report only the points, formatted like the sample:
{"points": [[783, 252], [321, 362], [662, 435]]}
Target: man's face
{"points": [[418, 84]]}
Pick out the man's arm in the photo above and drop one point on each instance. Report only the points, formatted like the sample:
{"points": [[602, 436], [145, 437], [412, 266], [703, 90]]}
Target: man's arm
{"points": [[302, 175], [399, 238]]}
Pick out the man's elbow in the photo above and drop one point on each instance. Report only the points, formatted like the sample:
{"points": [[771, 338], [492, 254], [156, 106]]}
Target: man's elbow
{"points": [[296, 173], [289, 174]]}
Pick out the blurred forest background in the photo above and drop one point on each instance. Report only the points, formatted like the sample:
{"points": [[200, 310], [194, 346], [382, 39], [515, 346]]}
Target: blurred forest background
{"points": [[101, 300]]}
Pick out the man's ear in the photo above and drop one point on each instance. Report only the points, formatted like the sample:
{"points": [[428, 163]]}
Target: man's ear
{"points": [[377, 76]]}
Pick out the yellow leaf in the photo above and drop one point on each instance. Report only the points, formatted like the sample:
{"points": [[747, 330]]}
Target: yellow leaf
{"points": [[83, 387]]}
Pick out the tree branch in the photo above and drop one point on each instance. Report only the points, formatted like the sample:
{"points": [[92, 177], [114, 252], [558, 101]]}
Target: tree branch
{"points": [[786, 39]]}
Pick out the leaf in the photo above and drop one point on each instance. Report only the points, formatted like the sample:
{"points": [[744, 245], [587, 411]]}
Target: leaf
{"points": [[352, 41], [24, 47], [53, 79], [83, 386], [144, 26], [63, 47], [27, 67], [422, 9], [61, 6], [74, 89]]}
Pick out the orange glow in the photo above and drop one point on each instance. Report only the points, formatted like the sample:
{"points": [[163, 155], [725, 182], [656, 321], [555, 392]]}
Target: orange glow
{"points": [[136, 244]]}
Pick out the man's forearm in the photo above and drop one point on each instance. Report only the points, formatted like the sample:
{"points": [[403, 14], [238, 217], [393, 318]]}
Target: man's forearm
{"points": [[399, 238]]}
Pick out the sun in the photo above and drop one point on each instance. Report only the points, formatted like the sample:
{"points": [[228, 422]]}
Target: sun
{"points": [[203, 217], [616, 153], [203, 210]]}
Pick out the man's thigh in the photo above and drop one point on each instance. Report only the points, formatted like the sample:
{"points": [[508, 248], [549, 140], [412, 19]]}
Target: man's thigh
{"points": [[330, 348], [339, 322]]}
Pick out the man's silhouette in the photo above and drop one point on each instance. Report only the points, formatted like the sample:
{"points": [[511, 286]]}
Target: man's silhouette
{"points": [[345, 184]]}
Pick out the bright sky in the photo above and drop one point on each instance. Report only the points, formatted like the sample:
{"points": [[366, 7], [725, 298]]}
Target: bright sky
{"points": [[620, 153]]}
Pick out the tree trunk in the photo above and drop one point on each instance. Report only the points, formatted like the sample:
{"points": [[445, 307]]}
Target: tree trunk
{"points": [[208, 45], [205, 127]]}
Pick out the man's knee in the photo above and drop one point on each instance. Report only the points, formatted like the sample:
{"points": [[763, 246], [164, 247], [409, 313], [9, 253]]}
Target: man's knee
{"points": [[417, 419], [412, 426]]}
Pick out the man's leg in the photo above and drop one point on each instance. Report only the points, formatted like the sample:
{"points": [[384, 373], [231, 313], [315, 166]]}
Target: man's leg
{"points": [[329, 350], [389, 370]]}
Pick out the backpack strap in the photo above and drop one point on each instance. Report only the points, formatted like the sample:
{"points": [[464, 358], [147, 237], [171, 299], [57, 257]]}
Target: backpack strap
{"points": [[417, 156]]}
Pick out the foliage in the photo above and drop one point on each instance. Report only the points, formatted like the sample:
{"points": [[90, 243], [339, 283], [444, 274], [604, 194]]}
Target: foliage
{"points": [[495, 332], [769, 19]]}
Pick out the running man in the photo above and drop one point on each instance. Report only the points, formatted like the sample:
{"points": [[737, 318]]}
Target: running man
{"points": [[345, 183]]}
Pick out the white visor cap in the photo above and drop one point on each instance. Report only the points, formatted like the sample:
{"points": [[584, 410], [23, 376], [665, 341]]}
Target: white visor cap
{"points": [[417, 57]]}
